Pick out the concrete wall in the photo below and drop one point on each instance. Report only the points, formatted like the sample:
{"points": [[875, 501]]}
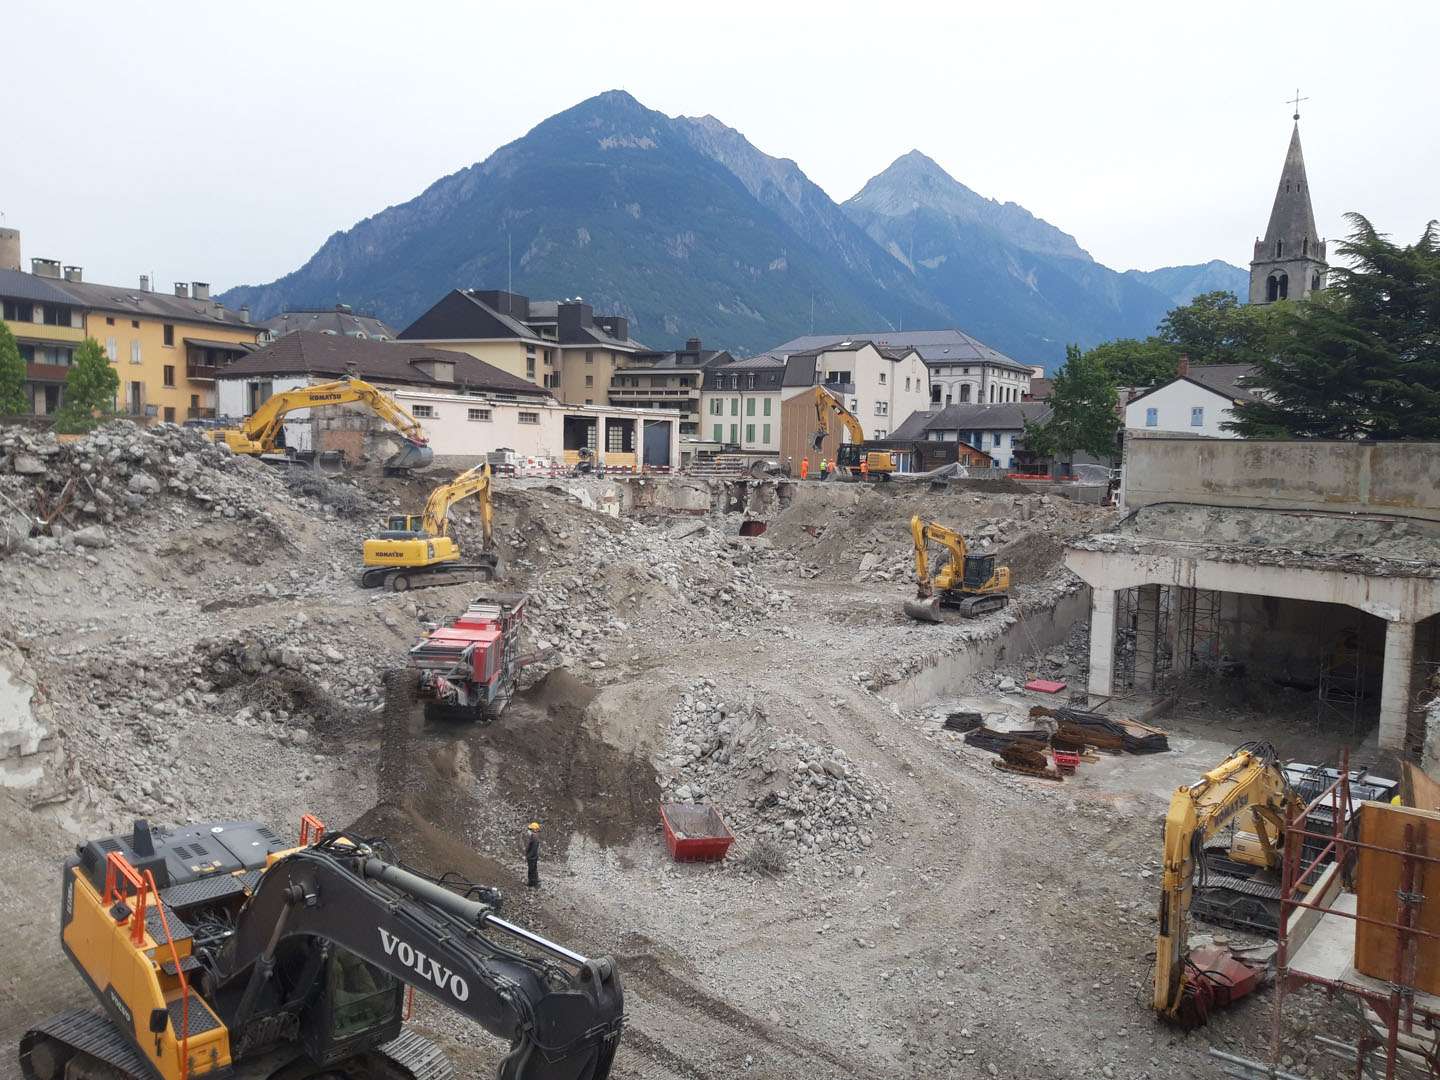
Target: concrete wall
{"points": [[1400, 478]]}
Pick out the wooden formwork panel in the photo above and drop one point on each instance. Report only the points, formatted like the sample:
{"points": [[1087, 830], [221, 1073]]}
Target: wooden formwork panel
{"points": [[1379, 881]]}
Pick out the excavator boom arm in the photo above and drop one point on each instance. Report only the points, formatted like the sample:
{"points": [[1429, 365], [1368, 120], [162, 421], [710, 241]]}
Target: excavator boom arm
{"points": [[1244, 781], [476, 481], [562, 1014], [826, 405], [263, 425], [923, 532]]}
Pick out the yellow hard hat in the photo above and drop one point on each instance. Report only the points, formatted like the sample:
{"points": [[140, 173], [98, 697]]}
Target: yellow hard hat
{"points": [[534, 826]]}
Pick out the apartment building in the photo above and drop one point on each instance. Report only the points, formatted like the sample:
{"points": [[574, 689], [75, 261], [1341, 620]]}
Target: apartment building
{"points": [[669, 380], [166, 348], [740, 404], [963, 369], [880, 384], [557, 345]]}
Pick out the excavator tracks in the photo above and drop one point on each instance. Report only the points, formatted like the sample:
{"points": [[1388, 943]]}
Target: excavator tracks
{"points": [[79, 1044]]}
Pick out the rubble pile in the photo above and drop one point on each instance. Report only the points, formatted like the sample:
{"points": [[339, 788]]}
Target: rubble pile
{"points": [[810, 799], [62, 495]]}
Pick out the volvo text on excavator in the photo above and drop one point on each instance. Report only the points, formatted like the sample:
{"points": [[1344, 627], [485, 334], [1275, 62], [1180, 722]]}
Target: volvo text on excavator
{"points": [[262, 432], [879, 464], [972, 584], [417, 549], [220, 950], [1248, 787]]}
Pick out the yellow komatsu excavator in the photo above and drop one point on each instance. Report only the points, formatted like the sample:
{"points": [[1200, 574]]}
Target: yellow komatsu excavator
{"points": [[1248, 787], [972, 584], [878, 463], [417, 549], [261, 432]]}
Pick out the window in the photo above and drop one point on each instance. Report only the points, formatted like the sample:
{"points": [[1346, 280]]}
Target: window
{"points": [[169, 331], [767, 406], [719, 432], [589, 401], [422, 412], [907, 382], [879, 433], [1279, 248], [734, 405], [529, 349], [169, 374], [589, 380], [528, 417], [882, 408], [750, 406], [734, 433], [717, 406], [765, 434], [734, 382], [481, 416], [55, 315], [1315, 281], [882, 378], [964, 393], [1305, 246], [110, 352], [749, 432], [1152, 417], [134, 324], [135, 352], [17, 311], [169, 414], [1277, 287], [549, 356], [530, 368], [589, 356], [750, 381], [109, 320], [1197, 416]]}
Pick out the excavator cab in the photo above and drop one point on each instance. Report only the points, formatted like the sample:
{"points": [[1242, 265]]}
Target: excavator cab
{"points": [[359, 1006], [979, 569]]}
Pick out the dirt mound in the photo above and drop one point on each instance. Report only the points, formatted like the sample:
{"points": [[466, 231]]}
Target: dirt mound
{"points": [[411, 839], [562, 688]]}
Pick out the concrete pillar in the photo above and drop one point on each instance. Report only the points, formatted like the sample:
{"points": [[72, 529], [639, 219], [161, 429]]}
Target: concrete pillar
{"points": [[1102, 642], [1147, 636], [1395, 684]]}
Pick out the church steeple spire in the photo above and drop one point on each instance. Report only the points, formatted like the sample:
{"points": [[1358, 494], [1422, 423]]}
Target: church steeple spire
{"points": [[1289, 260]]}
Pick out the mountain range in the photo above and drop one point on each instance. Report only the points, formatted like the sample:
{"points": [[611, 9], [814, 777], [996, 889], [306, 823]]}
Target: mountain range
{"points": [[683, 226]]}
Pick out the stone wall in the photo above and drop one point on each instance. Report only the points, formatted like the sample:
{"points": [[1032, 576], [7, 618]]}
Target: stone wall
{"points": [[1401, 478]]}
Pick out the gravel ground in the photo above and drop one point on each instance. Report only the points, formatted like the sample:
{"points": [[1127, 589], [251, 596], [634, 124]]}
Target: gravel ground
{"points": [[934, 918]]}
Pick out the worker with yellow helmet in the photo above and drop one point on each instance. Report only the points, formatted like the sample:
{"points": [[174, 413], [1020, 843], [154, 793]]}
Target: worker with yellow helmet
{"points": [[532, 853]]}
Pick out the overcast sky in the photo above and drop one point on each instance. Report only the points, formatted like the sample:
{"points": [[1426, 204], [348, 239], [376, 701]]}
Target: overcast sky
{"points": [[225, 142]]}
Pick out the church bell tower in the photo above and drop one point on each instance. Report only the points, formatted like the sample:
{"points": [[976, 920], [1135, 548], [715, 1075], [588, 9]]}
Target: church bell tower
{"points": [[1289, 261]]}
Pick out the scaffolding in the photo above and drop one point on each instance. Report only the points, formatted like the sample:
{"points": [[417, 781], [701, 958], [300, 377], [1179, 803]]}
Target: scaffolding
{"points": [[1143, 655], [1318, 926], [1342, 680]]}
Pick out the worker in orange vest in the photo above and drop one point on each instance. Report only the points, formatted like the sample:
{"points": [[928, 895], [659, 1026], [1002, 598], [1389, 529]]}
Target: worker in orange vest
{"points": [[804, 468], [864, 467]]}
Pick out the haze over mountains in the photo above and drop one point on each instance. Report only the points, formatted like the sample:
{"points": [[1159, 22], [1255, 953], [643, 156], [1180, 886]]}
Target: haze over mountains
{"points": [[686, 228]]}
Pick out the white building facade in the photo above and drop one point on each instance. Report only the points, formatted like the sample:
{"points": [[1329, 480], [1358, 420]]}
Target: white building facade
{"points": [[1199, 401]]}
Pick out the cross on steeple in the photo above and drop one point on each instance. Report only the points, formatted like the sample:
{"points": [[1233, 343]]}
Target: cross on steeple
{"points": [[1295, 101]]}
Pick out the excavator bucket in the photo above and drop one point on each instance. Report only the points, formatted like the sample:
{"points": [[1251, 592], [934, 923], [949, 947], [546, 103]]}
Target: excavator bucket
{"points": [[926, 609], [819, 439], [411, 456]]}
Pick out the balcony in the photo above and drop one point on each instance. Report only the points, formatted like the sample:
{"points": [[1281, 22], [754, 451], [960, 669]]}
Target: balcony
{"points": [[200, 414], [658, 393], [46, 373], [201, 372], [48, 334]]}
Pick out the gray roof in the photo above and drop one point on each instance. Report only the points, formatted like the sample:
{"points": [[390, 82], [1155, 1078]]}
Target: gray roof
{"points": [[751, 363], [19, 285], [1010, 416], [914, 425], [1224, 379], [336, 320], [934, 346], [155, 305]]}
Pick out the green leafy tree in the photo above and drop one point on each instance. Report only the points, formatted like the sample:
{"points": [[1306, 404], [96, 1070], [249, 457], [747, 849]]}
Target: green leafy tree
{"points": [[1215, 328], [1362, 359], [90, 388], [1083, 415], [1138, 363], [12, 375]]}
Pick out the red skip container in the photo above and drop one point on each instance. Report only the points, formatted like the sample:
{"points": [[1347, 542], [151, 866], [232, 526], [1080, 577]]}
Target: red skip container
{"points": [[695, 833]]}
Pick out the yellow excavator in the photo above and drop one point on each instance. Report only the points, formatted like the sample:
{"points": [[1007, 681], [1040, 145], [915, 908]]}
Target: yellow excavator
{"points": [[1247, 788], [972, 584], [417, 549], [879, 464], [261, 433]]}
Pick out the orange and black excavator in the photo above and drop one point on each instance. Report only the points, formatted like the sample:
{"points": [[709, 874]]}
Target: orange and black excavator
{"points": [[879, 464], [219, 950]]}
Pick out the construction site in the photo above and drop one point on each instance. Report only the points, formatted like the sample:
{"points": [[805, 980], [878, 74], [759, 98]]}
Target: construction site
{"points": [[935, 844]]}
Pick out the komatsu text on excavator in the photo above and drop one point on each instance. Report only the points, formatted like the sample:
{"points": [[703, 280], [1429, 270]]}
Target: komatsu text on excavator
{"points": [[262, 431], [417, 549], [972, 584], [1248, 787], [219, 950]]}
